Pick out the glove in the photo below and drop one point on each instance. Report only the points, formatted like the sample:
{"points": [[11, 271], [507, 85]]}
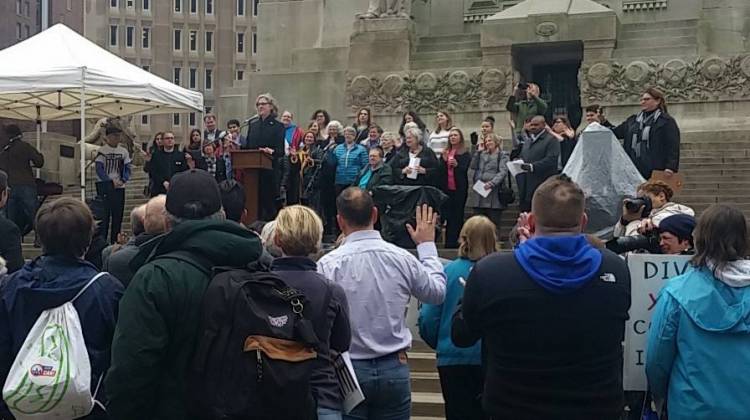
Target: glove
{"points": [[527, 167]]}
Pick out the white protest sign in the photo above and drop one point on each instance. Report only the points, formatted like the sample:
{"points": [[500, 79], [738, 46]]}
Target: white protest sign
{"points": [[648, 273]]}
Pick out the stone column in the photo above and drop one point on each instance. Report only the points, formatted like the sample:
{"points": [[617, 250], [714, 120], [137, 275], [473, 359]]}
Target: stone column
{"points": [[381, 45]]}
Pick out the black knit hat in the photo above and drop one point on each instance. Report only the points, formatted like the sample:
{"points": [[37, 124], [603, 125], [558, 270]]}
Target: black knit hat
{"points": [[679, 225], [193, 194]]}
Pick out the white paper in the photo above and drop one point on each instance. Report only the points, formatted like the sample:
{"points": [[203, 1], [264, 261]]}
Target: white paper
{"points": [[515, 167], [479, 188], [414, 164], [348, 383]]}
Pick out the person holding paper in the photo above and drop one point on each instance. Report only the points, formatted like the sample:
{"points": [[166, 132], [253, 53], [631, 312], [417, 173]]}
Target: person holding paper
{"points": [[540, 153], [418, 165], [490, 175], [454, 162]]}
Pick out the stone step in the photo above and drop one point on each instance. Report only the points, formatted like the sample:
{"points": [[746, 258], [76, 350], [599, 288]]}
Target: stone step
{"points": [[704, 146], [722, 197], [701, 153], [665, 41], [449, 46], [442, 55], [445, 64], [715, 136], [667, 51], [659, 25], [648, 35], [713, 160], [446, 39], [429, 404], [422, 361], [700, 207], [425, 382]]}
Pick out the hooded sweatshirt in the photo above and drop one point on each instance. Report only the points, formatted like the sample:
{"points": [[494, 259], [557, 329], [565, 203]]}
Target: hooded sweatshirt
{"points": [[552, 319], [697, 355]]}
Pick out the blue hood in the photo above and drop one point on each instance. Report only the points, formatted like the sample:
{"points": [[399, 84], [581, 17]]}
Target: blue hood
{"points": [[560, 264]]}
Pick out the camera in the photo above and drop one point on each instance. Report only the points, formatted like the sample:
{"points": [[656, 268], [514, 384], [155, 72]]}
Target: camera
{"points": [[523, 86], [648, 242], [632, 205], [474, 138]]}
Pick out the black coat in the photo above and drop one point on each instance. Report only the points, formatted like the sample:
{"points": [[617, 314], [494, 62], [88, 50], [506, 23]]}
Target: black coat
{"points": [[543, 155], [381, 176], [428, 160], [664, 140], [163, 166], [221, 167], [461, 173], [10, 245], [266, 133]]}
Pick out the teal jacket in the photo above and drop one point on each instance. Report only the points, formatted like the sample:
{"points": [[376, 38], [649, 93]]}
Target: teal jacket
{"points": [[160, 315], [435, 320], [698, 354], [349, 161]]}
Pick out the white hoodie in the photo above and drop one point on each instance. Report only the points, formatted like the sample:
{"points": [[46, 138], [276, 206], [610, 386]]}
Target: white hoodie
{"points": [[734, 274], [656, 216]]}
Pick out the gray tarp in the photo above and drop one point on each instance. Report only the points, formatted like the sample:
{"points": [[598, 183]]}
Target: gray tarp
{"points": [[605, 173]]}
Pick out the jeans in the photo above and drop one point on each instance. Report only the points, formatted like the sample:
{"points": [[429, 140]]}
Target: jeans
{"points": [[328, 414], [114, 206], [387, 388], [22, 205]]}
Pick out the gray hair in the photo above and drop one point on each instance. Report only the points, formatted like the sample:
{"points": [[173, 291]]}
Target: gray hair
{"points": [[337, 125], [267, 236], [414, 132], [137, 220], [271, 101], [175, 221], [389, 135], [350, 129]]}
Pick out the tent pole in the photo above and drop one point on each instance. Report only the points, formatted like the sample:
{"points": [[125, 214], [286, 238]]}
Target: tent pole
{"points": [[38, 135], [83, 134]]}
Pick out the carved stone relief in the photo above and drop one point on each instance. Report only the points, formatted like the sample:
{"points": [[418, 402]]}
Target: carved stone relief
{"points": [[429, 91], [710, 78]]}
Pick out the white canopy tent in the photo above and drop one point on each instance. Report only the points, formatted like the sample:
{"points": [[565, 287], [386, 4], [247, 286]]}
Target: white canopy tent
{"points": [[60, 75]]}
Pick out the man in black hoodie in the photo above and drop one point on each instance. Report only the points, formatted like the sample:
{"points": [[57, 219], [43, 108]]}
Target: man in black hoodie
{"points": [[552, 316]]}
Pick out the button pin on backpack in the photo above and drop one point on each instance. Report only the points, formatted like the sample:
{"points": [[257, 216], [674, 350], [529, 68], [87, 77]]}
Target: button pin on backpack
{"points": [[278, 321], [609, 278]]}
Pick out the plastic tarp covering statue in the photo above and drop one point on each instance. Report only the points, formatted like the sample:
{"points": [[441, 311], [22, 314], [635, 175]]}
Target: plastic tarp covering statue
{"points": [[600, 166], [397, 205]]}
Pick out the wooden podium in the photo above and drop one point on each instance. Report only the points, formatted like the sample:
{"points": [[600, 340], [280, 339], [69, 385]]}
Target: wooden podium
{"points": [[251, 162]]}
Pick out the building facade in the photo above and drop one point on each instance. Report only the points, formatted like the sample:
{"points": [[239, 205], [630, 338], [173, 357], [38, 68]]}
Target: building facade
{"points": [[18, 21], [204, 45]]}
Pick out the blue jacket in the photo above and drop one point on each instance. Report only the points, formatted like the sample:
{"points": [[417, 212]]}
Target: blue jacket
{"points": [[435, 320], [349, 161], [698, 347], [48, 282]]}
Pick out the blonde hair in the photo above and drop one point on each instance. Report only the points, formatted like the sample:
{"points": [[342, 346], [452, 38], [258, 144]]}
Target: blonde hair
{"points": [[495, 139], [299, 231], [477, 238]]}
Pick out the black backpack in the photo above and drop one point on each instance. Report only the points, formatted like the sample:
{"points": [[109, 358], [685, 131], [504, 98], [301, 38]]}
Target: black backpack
{"points": [[255, 350]]}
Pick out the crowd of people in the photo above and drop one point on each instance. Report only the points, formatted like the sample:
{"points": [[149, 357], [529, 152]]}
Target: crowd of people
{"points": [[199, 315]]}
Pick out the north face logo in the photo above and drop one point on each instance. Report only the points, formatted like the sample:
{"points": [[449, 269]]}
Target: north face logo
{"points": [[278, 321]]}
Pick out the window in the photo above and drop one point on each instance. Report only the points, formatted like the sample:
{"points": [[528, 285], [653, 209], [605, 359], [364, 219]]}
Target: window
{"points": [[146, 67], [255, 7], [193, 40], [113, 4], [112, 35], [209, 79], [146, 5], [193, 78], [26, 9], [209, 7], [193, 6], [176, 119], [255, 43], [178, 6], [240, 7], [209, 41], [177, 74], [18, 31], [146, 38], [177, 39], [144, 119], [191, 119], [240, 73], [69, 5], [240, 42], [18, 7], [129, 35], [130, 4], [28, 30]]}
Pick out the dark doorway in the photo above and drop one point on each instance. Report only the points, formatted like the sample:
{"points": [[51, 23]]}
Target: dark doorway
{"points": [[554, 67]]}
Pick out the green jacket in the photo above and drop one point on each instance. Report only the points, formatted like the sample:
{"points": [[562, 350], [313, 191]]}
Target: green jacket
{"points": [[525, 109], [381, 176], [160, 314]]}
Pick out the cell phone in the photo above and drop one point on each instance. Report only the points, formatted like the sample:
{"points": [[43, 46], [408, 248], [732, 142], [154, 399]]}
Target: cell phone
{"points": [[144, 146]]}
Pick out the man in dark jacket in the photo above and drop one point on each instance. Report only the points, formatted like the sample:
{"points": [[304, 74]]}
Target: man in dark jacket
{"points": [[10, 235], [17, 158], [551, 316], [65, 227], [540, 152], [161, 309], [376, 173], [165, 163], [266, 133]]}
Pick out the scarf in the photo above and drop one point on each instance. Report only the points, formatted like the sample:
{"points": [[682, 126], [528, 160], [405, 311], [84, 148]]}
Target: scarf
{"points": [[451, 171], [211, 165], [641, 141]]}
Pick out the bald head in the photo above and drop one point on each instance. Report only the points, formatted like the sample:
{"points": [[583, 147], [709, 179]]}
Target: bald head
{"points": [[137, 217], [537, 124], [155, 221]]}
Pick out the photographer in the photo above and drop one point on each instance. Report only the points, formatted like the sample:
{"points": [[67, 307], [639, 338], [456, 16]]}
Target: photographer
{"points": [[676, 235], [644, 213], [524, 103]]}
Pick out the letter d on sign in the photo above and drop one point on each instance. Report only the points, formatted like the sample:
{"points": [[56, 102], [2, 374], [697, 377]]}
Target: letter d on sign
{"points": [[650, 270]]}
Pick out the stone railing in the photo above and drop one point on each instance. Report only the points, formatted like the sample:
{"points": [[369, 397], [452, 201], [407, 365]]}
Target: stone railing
{"points": [[699, 79]]}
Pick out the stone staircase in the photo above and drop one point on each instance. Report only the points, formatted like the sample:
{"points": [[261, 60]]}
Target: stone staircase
{"points": [[447, 51], [426, 396], [676, 38]]}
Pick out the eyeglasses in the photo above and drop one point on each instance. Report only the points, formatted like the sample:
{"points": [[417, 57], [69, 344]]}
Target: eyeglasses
{"points": [[261, 103]]}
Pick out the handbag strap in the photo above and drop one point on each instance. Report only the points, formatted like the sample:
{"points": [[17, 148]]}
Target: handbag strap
{"points": [[93, 279]]}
